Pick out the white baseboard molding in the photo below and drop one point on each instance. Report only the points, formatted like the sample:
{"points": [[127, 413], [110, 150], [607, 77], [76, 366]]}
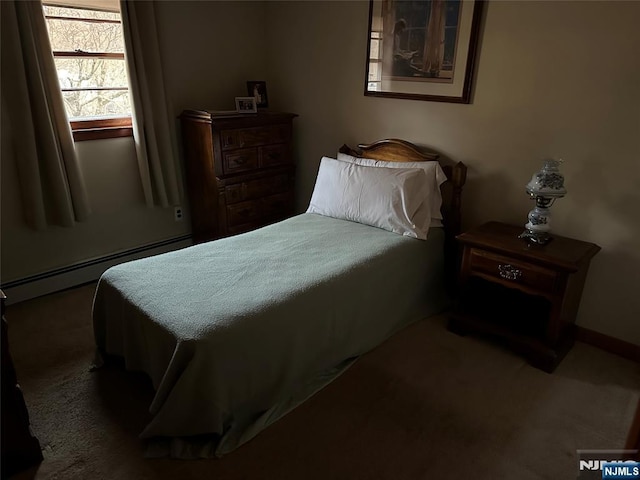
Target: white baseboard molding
{"points": [[84, 272]]}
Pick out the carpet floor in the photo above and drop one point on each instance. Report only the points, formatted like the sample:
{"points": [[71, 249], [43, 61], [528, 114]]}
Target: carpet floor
{"points": [[426, 404]]}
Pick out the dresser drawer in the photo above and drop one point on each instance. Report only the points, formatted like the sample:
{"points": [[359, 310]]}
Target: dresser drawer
{"points": [[281, 133], [249, 190], [277, 205], [272, 155], [229, 139], [273, 206], [254, 136], [245, 227], [510, 271], [240, 160], [243, 212]]}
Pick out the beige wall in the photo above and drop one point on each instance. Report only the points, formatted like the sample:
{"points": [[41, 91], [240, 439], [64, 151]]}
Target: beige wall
{"points": [[120, 219], [554, 78], [209, 50]]}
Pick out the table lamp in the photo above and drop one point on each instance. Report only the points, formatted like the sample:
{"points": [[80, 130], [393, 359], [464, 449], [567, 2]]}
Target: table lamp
{"points": [[545, 186]]}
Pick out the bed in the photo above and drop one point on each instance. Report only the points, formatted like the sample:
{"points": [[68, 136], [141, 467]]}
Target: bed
{"points": [[236, 332]]}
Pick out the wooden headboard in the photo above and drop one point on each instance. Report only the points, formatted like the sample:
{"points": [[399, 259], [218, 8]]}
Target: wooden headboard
{"points": [[394, 150]]}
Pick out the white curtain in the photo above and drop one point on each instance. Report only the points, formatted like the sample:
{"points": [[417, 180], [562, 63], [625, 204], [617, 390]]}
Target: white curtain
{"points": [[34, 122], [153, 127]]}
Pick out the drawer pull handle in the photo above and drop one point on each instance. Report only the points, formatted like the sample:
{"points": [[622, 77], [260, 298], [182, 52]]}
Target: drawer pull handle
{"points": [[509, 272], [240, 160]]}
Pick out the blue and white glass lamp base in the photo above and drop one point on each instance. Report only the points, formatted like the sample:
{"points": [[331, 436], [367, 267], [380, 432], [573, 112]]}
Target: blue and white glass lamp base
{"points": [[539, 225]]}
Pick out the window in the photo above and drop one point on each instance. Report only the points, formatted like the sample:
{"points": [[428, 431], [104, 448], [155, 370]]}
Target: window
{"points": [[88, 50], [375, 62], [376, 48]]}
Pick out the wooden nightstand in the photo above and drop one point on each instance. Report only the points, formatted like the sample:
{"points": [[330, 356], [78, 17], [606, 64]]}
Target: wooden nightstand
{"points": [[528, 295]]}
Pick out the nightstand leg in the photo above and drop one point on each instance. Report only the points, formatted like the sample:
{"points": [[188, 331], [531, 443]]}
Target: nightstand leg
{"points": [[551, 357]]}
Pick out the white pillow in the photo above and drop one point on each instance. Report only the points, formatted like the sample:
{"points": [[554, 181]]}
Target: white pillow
{"points": [[435, 178], [386, 198]]}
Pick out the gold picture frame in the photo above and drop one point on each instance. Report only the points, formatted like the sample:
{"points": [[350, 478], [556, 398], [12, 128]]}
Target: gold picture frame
{"points": [[424, 50]]}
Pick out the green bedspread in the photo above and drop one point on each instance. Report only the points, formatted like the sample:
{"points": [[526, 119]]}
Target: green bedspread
{"points": [[235, 333]]}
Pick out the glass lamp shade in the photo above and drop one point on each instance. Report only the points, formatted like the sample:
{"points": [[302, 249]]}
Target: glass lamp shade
{"points": [[548, 182], [545, 187]]}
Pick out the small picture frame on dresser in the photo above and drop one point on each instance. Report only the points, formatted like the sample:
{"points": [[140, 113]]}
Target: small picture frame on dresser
{"points": [[246, 105]]}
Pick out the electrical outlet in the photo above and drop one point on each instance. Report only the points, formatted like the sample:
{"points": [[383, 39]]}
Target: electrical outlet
{"points": [[177, 214]]}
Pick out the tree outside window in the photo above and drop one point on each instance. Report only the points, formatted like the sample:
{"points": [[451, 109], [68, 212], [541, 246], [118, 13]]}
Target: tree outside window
{"points": [[88, 49]]}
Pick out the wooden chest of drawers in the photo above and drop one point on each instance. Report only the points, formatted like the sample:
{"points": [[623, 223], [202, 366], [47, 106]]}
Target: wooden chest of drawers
{"points": [[240, 171]]}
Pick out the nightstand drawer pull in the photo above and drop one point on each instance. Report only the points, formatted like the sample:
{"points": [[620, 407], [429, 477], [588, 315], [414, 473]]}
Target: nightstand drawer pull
{"points": [[509, 272]]}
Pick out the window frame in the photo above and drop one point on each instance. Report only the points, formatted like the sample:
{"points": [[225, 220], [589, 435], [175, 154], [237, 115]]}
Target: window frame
{"points": [[98, 129], [93, 128]]}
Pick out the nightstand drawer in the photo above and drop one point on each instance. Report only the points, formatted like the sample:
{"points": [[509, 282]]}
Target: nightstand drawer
{"points": [[510, 271]]}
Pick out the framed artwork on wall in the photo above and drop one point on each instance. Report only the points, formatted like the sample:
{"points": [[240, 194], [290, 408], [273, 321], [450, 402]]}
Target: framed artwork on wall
{"points": [[258, 90], [424, 50]]}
